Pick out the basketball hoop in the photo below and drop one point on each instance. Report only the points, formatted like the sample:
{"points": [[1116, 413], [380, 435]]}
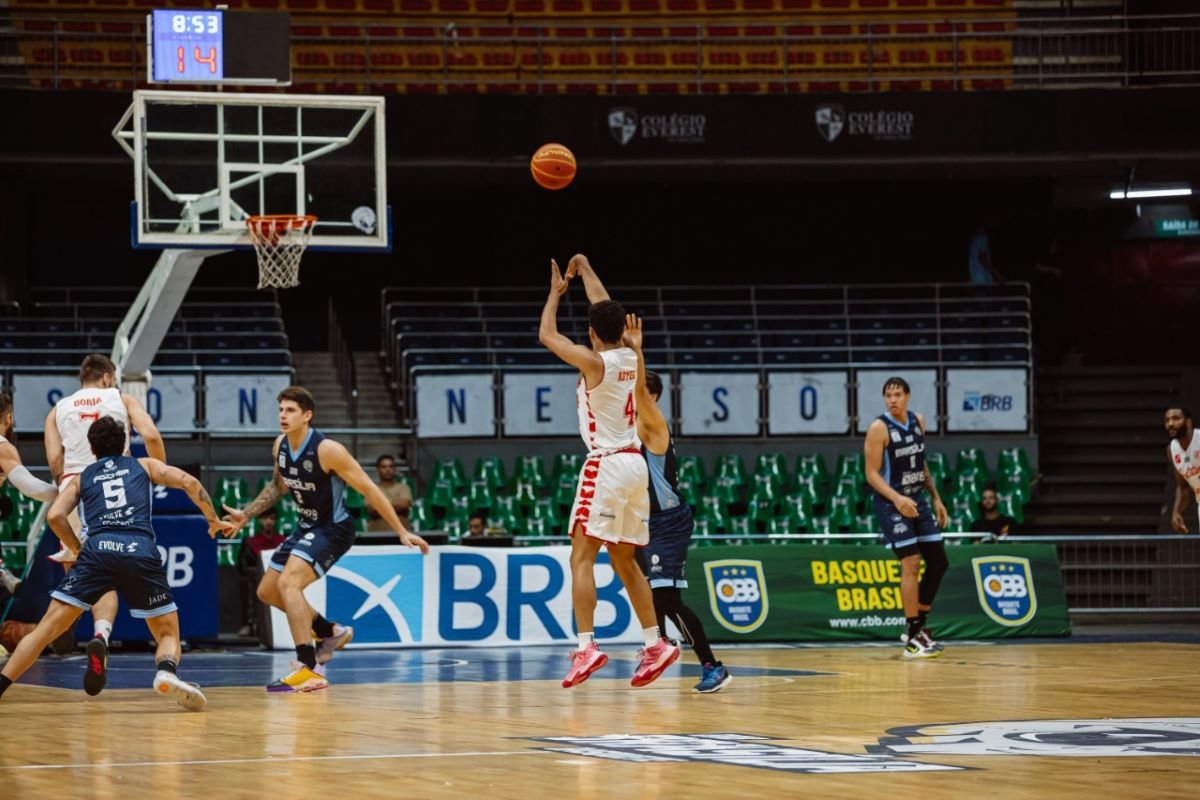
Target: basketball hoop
{"points": [[279, 241]]}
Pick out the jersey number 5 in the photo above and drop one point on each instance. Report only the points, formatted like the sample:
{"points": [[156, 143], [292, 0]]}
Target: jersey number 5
{"points": [[114, 493]]}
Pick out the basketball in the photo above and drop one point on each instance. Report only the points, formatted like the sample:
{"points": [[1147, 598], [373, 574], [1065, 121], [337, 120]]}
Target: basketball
{"points": [[553, 166]]}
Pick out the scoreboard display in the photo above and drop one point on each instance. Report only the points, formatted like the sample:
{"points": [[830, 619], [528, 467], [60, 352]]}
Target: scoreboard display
{"points": [[219, 46]]}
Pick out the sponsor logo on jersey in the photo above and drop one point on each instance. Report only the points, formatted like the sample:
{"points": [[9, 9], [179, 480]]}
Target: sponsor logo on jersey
{"points": [[895, 435], [307, 465], [737, 593], [1087, 738], [734, 749], [1005, 585]]}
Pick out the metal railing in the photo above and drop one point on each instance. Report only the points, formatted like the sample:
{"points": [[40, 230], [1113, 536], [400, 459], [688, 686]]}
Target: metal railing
{"points": [[766, 55]]}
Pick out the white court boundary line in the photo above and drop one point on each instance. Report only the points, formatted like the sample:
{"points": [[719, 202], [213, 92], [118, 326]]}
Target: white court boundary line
{"points": [[281, 759]]}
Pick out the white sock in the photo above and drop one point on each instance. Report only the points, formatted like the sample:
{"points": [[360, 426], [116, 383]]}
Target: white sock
{"points": [[103, 629], [586, 640], [651, 635]]}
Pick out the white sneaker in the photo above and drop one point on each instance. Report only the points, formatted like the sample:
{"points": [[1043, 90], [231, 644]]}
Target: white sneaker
{"points": [[921, 646], [188, 695], [928, 634], [342, 634]]}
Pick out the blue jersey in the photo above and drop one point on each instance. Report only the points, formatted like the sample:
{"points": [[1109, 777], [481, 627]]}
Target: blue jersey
{"points": [[904, 458], [318, 494], [664, 479], [115, 496]]}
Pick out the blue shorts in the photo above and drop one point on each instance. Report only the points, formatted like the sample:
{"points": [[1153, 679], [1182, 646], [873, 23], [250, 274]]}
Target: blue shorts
{"points": [[321, 546], [127, 562], [901, 532], [664, 560]]}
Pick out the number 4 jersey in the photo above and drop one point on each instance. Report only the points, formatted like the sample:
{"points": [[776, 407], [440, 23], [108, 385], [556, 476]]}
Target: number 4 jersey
{"points": [[116, 496], [608, 413]]}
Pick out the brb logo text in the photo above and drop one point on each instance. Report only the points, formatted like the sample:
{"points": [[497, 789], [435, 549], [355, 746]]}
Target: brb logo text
{"points": [[975, 401]]}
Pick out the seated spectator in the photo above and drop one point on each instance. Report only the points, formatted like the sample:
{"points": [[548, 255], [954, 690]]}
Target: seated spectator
{"points": [[398, 494], [267, 537], [477, 525], [992, 521]]}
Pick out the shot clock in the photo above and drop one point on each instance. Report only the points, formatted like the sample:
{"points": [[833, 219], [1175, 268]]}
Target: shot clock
{"points": [[218, 46]]}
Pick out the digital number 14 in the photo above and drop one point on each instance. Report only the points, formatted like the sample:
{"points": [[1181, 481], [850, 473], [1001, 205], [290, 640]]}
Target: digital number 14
{"points": [[210, 59]]}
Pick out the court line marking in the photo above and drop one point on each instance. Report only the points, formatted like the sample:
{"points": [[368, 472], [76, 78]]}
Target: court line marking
{"points": [[280, 759]]}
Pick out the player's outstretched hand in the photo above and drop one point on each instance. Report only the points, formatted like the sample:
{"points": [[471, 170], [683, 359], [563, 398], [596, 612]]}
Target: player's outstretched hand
{"points": [[412, 540], [940, 513], [1177, 523], [558, 284], [633, 332], [223, 527], [578, 262], [235, 516]]}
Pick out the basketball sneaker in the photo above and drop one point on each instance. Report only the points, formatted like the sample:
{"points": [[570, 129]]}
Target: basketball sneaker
{"points": [[583, 663], [186, 694], [654, 660], [921, 646], [714, 679], [301, 679], [96, 674], [342, 634], [928, 634]]}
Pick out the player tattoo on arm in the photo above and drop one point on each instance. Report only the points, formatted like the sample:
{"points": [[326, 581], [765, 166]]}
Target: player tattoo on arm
{"points": [[267, 498]]}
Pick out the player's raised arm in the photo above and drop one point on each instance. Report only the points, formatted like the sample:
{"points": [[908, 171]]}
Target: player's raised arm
{"points": [[60, 509], [176, 478], [337, 459], [55, 454], [143, 423], [651, 425], [582, 358], [579, 265]]}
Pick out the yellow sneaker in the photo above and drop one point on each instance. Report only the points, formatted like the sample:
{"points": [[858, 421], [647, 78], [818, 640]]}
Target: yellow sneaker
{"points": [[300, 679]]}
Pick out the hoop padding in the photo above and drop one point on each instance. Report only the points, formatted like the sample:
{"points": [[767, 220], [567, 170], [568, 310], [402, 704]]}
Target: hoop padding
{"points": [[279, 242]]}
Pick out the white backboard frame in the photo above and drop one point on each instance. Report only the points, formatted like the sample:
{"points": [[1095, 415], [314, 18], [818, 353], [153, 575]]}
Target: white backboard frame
{"points": [[131, 134]]}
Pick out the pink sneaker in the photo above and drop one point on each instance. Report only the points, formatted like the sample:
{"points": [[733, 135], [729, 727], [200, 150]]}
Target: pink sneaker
{"points": [[654, 660], [583, 664]]}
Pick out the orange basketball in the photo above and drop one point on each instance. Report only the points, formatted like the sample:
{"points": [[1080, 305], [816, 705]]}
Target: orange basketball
{"points": [[553, 166]]}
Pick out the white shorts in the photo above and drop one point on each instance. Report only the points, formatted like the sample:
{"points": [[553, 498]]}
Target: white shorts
{"points": [[64, 556], [612, 501]]}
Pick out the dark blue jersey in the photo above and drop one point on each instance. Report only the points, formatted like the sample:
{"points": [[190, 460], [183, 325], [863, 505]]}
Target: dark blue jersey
{"points": [[904, 458], [664, 479], [115, 496], [318, 494]]}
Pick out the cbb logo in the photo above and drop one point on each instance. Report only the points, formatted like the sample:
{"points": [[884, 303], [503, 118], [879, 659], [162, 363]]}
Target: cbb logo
{"points": [[738, 590], [1005, 586]]}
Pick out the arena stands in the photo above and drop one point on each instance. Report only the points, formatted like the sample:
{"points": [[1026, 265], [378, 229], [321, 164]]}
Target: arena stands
{"points": [[628, 46]]}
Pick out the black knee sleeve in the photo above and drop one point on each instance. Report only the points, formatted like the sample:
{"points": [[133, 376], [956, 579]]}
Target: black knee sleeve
{"points": [[936, 565]]}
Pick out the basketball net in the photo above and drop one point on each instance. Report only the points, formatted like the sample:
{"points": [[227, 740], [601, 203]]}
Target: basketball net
{"points": [[279, 242]]}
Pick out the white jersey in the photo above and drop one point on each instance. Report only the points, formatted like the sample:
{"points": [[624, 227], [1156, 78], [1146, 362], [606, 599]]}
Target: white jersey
{"points": [[1187, 462], [608, 414], [75, 414]]}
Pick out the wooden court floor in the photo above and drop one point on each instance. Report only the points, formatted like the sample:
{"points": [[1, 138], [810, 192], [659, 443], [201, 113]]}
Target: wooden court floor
{"points": [[1054, 720]]}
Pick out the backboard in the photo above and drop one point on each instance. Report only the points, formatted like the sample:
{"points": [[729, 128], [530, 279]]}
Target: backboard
{"points": [[206, 161]]}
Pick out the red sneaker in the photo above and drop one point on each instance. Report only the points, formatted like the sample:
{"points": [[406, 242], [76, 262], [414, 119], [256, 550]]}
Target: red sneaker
{"points": [[654, 660], [583, 664]]}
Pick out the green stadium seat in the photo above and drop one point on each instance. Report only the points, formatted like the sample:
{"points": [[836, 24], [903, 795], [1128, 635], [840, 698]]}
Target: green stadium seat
{"points": [[824, 525], [774, 466], [455, 528], [689, 492], [760, 513], [728, 490], [536, 526], [1011, 506], [965, 509], [851, 464], [813, 493], [785, 524], [532, 470], [691, 468], [545, 508], [440, 497], [525, 494], [506, 514], [231, 491], [712, 510], [480, 497], [812, 464], [866, 523], [14, 560], [972, 459], [491, 470], [935, 463], [841, 514], [703, 532], [739, 525], [566, 464], [969, 486], [460, 509], [355, 503], [730, 466], [1014, 458], [564, 493], [419, 517], [450, 470]]}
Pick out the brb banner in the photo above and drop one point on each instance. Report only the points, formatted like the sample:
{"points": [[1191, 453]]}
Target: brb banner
{"points": [[811, 592], [462, 596], [986, 400]]}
